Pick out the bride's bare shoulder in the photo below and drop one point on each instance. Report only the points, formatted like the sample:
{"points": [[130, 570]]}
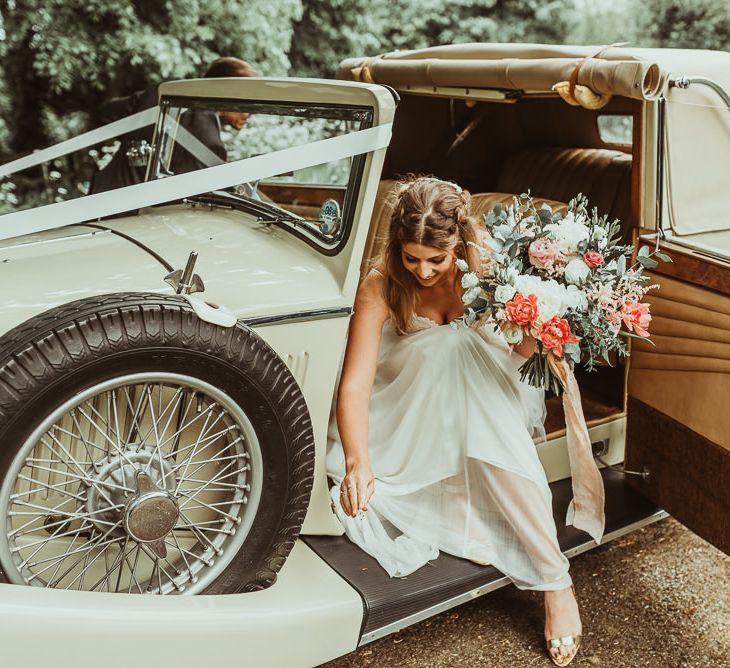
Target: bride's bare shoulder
{"points": [[370, 294]]}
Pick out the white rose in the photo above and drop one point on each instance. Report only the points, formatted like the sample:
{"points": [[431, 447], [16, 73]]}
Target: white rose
{"points": [[576, 271], [513, 334], [570, 235], [462, 265], [576, 299], [550, 295], [470, 280], [599, 233], [569, 217], [511, 275], [471, 294], [504, 293]]}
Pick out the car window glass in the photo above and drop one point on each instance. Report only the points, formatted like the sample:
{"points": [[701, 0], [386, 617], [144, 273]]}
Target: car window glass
{"points": [[616, 128], [195, 134]]}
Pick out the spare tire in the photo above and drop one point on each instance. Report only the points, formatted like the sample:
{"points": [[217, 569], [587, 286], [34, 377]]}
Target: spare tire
{"points": [[144, 450]]}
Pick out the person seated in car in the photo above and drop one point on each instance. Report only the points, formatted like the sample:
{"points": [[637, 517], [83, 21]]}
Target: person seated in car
{"points": [[202, 125]]}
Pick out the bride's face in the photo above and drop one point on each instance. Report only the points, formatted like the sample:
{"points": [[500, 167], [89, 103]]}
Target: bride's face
{"points": [[428, 264]]}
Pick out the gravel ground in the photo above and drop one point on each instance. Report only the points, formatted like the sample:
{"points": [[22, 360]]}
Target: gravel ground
{"points": [[658, 597]]}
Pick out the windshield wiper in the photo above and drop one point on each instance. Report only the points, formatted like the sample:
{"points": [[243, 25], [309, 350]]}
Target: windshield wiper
{"points": [[322, 226]]}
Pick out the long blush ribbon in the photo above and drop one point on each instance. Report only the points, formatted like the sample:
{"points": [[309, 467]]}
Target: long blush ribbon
{"points": [[586, 510]]}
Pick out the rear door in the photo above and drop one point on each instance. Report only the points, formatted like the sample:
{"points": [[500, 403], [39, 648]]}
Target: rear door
{"points": [[679, 396], [678, 430]]}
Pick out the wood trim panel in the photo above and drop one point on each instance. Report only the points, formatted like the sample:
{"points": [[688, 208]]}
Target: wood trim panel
{"points": [[302, 194], [693, 267], [689, 475]]}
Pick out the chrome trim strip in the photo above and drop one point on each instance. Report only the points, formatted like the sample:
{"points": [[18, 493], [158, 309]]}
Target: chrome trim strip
{"points": [[499, 583], [298, 316]]}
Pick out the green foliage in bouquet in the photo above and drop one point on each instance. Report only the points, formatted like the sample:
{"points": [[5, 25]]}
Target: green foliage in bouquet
{"points": [[563, 279]]}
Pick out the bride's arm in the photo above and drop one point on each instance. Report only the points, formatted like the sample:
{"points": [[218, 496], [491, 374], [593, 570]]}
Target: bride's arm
{"points": [[358, 374]]}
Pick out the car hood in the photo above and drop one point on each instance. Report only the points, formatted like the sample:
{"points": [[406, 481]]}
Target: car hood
{"points": [[251, 269]]}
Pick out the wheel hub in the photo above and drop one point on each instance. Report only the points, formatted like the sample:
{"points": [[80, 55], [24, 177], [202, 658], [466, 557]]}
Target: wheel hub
{"points": [[151, 514], [134, 486]]}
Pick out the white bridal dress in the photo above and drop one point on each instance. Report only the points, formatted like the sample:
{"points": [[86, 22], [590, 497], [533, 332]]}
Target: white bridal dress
{"points": [[455, 465]]}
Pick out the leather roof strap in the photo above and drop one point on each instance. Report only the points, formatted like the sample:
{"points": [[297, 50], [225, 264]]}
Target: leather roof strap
{"points": [[574, 75]]}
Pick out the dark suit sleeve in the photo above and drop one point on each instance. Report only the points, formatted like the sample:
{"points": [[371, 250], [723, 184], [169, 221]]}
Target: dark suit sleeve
{"points": [[119, 107], [204, 126]]}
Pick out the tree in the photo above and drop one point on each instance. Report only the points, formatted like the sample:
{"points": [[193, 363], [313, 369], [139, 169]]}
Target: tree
{"points": [[61, 58], [420, 23], [331, 30], [688, 24]]}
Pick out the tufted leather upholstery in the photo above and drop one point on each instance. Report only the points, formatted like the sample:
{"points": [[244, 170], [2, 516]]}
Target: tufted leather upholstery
{"points": [[604, 176], [553, 175]]}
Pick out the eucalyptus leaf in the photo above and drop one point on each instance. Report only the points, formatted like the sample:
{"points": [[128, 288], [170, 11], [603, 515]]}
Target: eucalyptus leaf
{"points": [[545, 216], [644, 251], [663, 257], [647, 262]]}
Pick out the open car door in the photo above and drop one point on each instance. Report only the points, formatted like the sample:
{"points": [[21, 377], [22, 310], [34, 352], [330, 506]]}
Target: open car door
{"points": [[678, 430]]}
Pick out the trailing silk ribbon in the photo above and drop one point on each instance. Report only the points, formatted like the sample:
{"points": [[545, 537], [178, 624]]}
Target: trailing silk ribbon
{"points": [[586, 510]]}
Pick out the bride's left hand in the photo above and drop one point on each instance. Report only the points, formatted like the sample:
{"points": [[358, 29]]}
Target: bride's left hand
{"points": [[526, 348], [357, 488]]}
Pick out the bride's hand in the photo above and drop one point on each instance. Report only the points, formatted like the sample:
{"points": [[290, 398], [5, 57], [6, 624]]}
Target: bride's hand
{"points": [[357, 488], [527, 346]]}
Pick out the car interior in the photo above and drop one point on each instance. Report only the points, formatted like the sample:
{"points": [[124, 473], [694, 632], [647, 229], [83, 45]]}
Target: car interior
{"points": [[497, 150]]}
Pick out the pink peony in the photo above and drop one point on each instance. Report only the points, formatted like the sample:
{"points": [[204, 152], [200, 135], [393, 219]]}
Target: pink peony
{"points": [[554, 334], [543, 253], [593, 259], [636, 317], [522, 310]]}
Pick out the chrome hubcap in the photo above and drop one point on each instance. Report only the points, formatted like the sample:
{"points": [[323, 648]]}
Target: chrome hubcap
{"points": [[151, 514]]}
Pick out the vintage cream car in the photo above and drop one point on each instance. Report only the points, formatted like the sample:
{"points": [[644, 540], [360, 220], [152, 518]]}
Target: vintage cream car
{"points": [[157, 438]]}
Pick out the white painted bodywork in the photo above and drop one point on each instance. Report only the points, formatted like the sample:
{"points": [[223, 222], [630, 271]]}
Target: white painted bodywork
{"points": [[311, 615]]}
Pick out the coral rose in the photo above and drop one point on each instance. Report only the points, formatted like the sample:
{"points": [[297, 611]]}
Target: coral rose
{"points": [[522, 310], [636, 317], [554, 334], [593, 259]]}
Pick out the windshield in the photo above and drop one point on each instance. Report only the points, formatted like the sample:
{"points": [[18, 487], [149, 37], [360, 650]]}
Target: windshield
{"points": [[315, 202]]}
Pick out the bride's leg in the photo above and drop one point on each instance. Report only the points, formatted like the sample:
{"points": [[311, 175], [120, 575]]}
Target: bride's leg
{"points": [[525, 518], [527, 509], [459, 514]]}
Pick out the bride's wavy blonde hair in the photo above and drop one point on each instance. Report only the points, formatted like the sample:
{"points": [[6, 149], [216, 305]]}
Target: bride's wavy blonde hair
{"points": [[431, 212]]}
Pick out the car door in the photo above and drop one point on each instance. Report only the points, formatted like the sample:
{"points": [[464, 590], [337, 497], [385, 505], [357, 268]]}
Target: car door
{"points": [[678, 432]]}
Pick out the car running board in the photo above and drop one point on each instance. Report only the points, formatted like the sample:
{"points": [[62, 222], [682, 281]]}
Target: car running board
{"points": [[391, 604]]}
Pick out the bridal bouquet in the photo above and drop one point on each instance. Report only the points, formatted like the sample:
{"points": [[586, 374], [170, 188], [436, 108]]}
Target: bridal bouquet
{"points": [[563, 280]]}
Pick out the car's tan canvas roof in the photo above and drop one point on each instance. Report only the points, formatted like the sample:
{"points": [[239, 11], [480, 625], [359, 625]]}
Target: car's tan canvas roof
{"points": [[633, 73]]}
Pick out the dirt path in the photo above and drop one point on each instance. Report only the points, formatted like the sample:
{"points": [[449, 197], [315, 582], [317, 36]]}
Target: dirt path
{"points": [[659, 597]]}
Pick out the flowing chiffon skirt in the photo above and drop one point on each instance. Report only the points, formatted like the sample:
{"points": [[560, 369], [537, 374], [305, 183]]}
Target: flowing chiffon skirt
{"points": [[451, 447]]}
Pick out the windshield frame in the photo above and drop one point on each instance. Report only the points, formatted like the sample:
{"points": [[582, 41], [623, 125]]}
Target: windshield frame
{"points": [[299, 227]]}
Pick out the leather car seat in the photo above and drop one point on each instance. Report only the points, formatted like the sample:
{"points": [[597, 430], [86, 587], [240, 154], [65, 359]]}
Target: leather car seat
{"points": [[602, 175]]}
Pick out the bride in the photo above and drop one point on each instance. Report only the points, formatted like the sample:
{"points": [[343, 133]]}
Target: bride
{"points": [[432, 446]]}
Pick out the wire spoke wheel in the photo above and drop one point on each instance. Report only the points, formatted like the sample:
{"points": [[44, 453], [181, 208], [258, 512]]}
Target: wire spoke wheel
{"points": [[147, 483]]}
